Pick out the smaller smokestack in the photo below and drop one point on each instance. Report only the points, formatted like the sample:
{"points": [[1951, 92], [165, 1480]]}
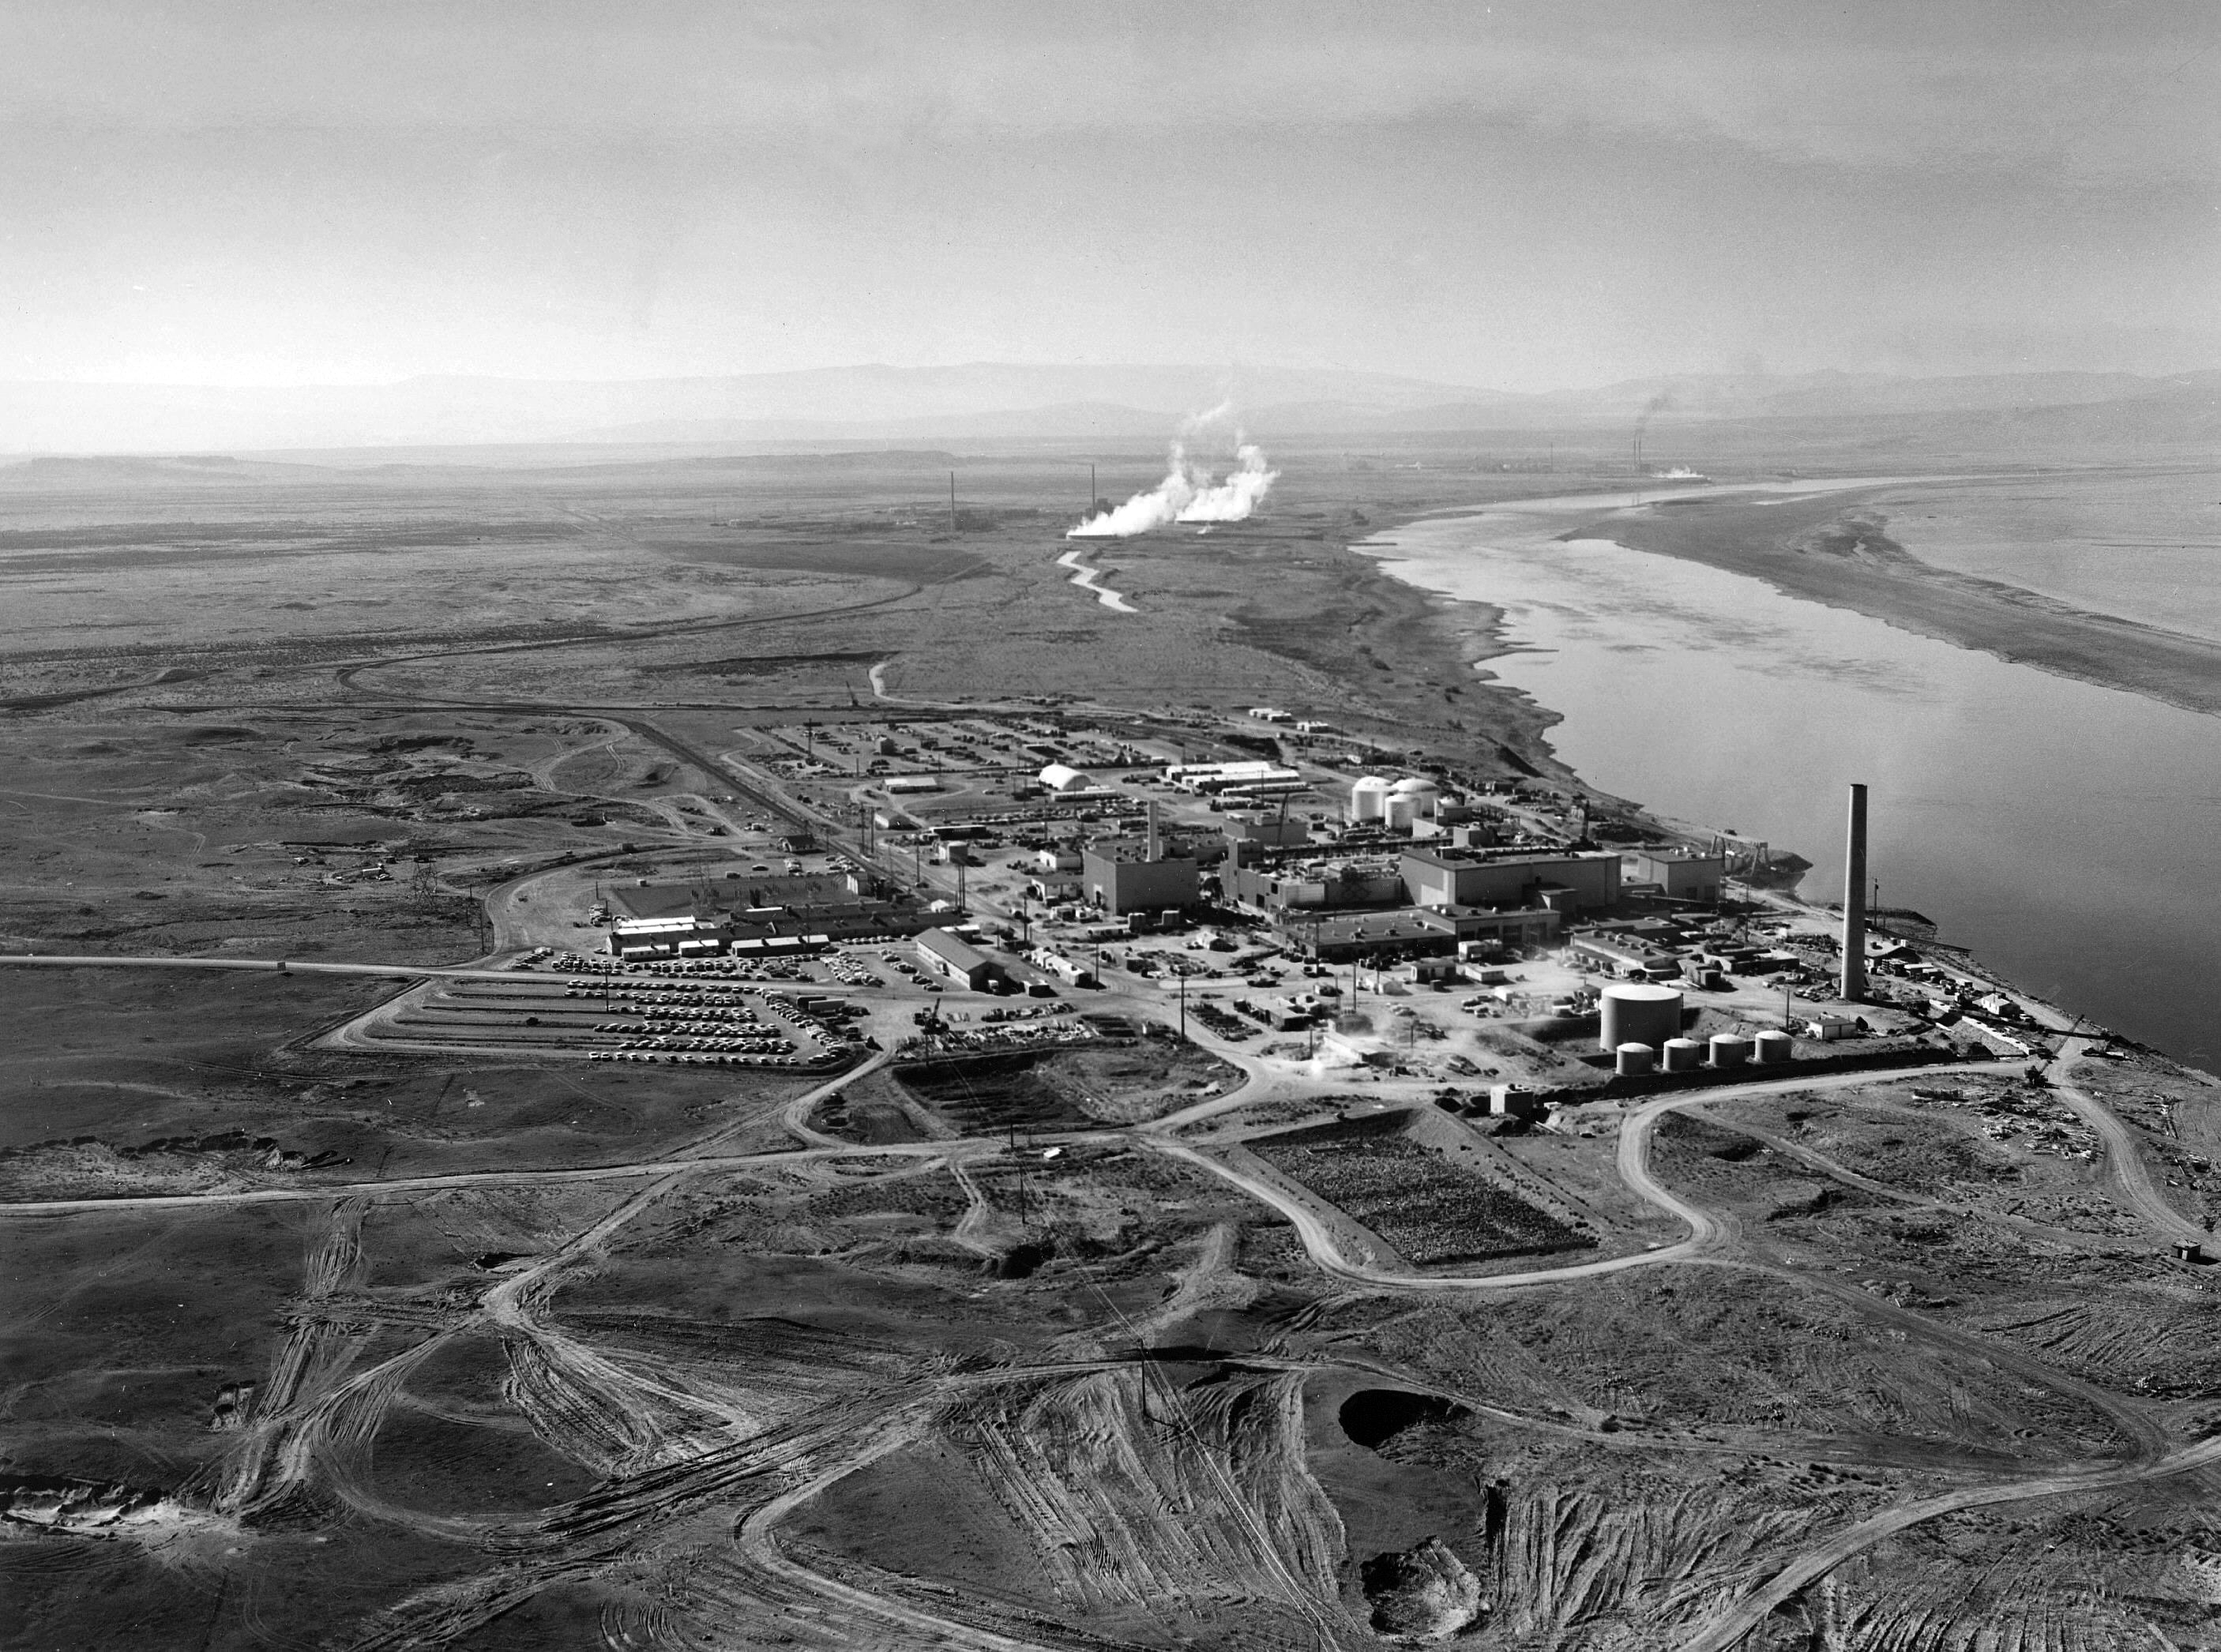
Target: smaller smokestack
{"points": [[1149, 833], [1854, 982]]}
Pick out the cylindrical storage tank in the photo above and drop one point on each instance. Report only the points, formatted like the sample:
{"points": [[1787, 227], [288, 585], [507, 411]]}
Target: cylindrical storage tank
{"points": [[1772, 1045], [1421, 796], [1398, 809], [1730, 1050], [1368, 799], [1633, 1061], [1682, 1054], [1638, 1012]]}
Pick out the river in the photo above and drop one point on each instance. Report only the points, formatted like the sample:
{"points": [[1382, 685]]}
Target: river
{"points": [[2070, 835]]}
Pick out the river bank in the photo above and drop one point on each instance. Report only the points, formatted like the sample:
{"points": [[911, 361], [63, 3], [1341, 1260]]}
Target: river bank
{"points": [[2062, 831], [1844, 550]]}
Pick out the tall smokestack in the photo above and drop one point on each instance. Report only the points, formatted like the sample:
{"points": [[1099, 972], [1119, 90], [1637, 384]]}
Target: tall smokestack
{"points": [[1149, 833], [1855, 900]]}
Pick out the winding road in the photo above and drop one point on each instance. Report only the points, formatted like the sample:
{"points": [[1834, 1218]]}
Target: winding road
{"points": [[1710, 1240]]}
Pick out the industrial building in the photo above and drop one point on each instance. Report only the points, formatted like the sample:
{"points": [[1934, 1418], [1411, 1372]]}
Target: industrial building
{"points": [[1413, 932], [1218, 777], [1126, 874], [1411, 802], [1680, 874], [1571, 882], [1068, 969], [957, 959], [1344, 937], [755, 913], [1277, 831], [1316, 888], [1062, 777], [1625, 956]]}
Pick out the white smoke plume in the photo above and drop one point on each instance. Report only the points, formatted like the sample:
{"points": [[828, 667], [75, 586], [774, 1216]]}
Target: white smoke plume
{"points": [[1189, 493]]}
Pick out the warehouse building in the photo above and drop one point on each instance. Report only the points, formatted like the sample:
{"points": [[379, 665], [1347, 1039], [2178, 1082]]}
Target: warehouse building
{"points": [[957, 959], [726, 914], [1062, 777], [1218, 777]]}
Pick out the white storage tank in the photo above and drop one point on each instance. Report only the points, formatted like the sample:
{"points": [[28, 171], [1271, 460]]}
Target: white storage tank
{"points": [[1730, 1050], [1770, 1046], [1633, 1061], [1424, 796], [1368, 800], [1638, 1012], [1682, 1054]]}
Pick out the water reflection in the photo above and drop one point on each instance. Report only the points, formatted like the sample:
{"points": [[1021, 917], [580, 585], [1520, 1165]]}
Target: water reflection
{"points": [[2071, 834]]}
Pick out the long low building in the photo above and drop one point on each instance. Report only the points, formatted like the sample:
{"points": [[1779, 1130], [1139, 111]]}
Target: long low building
{"points": [[1414, 932], [1217, 777], [957, 959]]}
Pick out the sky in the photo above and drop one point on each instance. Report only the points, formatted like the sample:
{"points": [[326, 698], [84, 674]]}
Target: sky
{"points": [[1520, 196]]}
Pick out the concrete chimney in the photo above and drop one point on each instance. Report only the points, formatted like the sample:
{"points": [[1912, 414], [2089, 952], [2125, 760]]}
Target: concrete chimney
{"points": [[1853, 987], [1149, 832]]}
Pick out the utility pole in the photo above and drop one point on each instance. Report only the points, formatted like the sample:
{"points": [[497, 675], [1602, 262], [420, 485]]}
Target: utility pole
{"points": [[952, 502], [1183, 1007]]}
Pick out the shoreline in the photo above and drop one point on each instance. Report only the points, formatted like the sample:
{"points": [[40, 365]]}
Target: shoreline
{"points": [[1482, 624], [1833, 550]]}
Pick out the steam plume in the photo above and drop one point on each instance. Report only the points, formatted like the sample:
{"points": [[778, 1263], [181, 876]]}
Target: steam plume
{"points": [[1188, 493]]}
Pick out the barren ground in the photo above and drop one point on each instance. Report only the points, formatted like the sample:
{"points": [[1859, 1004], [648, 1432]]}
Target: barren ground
{"points": [[335, 1319]]}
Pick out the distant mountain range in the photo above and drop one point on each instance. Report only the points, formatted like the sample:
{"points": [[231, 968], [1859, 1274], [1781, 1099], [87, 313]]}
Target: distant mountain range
{"points": [[1001, 402]]}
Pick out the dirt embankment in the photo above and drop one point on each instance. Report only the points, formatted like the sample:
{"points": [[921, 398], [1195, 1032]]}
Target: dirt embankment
{"points": [[1837, 551], [1403, 657]]}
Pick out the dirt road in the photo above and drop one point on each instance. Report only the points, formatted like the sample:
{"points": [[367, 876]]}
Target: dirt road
{"points": [[1817, 1562]]}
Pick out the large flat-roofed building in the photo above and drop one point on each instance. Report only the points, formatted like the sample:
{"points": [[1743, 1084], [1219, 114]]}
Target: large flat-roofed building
{"points": [[1316, 885], [1681, 874], [1217, 777], [1567, 881], [955, 959], [721, 914], [1120, 875], [1414, 932], [1346, 935], [1631, 957]]}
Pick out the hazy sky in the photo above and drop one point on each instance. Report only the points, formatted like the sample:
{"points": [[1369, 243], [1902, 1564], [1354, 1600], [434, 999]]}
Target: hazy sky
{"points": [[1524, 196]]}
